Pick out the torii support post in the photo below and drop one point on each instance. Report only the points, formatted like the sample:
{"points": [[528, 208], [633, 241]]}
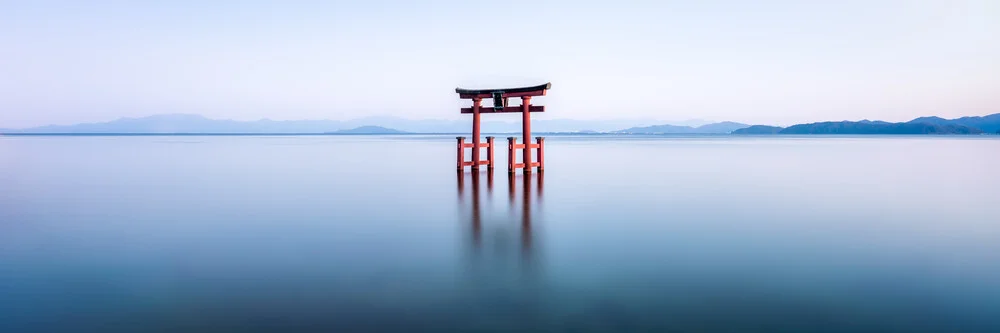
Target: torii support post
{"points": [[513, 146], [489, 153], [526, 131], [475, 132], [462, 163], [541, 153], [461, 153], [500, 97]]}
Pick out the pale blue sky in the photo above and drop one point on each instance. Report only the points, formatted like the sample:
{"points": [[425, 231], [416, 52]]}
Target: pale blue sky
{"points": [[772, 62]]}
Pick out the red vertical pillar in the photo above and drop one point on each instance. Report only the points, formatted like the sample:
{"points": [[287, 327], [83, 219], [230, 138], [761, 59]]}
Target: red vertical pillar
{"points": [[526, 129], [541, 153], [461, 152], [475, 133], [489, 153], [511, 141]]}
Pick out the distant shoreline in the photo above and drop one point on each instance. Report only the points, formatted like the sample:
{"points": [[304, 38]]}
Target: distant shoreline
{"points": [[352, 134], [503, 134], [190, 124]]}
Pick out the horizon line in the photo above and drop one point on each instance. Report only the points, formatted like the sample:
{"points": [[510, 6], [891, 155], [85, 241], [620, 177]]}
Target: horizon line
{"points": [[660, 122]]}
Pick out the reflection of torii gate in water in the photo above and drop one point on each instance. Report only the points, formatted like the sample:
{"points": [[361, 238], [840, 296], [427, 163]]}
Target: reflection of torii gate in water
{"points": [[500, 97], [526, 213]]}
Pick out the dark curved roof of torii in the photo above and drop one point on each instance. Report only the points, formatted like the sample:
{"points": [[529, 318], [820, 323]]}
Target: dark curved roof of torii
{"points": [[506, 90]]}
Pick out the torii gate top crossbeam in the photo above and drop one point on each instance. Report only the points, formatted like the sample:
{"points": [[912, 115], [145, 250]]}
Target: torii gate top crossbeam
{"points": [[538, 90]]}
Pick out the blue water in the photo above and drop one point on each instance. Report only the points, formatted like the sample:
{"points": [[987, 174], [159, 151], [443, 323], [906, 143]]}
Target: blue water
{"points": [[373, 233]]}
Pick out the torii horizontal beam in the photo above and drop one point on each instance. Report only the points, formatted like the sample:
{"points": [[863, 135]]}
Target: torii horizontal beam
{"points": [[532, 108], [538, 90]]}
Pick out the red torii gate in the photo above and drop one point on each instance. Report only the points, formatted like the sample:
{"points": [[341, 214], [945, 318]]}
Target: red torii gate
{"points": [[500, 97]]}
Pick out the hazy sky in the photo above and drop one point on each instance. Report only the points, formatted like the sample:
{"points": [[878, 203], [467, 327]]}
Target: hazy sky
{"points": [[772, 62]]}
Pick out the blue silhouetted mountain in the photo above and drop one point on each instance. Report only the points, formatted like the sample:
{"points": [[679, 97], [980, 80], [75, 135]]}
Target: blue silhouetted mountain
{"points": [[923, 125], [725, 127], [990, 123], [853, 127], [874, 122], [716, 128], [759, 129], [368, 130]]}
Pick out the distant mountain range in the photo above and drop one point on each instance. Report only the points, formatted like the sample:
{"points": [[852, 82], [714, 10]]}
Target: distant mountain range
{"points": [[716, 128], [759, 129], [990, 123], [189, 123], [923, 125], [368, 130]]}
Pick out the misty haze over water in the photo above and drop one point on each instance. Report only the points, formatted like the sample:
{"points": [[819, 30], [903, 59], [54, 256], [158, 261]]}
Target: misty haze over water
{"points": [[379, 233]]}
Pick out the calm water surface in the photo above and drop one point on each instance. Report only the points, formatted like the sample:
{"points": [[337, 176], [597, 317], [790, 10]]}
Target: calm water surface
{"points": [[371, 233]]}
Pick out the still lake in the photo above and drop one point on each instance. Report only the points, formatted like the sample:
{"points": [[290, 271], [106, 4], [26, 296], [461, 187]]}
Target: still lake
{"points": [[379, 233]]}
